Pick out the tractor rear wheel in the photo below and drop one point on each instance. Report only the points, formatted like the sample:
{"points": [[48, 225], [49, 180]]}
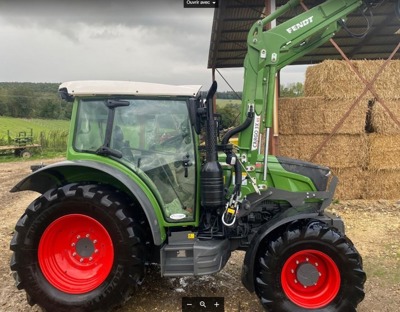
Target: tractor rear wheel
{"points": [[309, 267], [76, 249]]}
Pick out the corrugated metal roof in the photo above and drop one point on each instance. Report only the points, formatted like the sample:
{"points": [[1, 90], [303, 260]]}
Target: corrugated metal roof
{"points": [[233, 19]]}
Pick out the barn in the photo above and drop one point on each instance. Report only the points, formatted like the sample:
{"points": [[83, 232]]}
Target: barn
{"points": [[349, 116]]}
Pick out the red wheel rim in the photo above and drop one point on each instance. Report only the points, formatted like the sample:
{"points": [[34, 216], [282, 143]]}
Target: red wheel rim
{"points": [[315, 289], [75, 254]]}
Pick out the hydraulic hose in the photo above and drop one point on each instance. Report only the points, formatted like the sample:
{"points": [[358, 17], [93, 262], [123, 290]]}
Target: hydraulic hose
{"points": [[238, 176], [244, 125]]}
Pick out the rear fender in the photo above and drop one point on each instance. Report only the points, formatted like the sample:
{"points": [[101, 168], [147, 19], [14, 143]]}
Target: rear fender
{"points": [[279, 225], [65, 172]]}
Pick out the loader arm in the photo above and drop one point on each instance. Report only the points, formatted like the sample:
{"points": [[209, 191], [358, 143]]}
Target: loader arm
{"points": [[271, 50]]}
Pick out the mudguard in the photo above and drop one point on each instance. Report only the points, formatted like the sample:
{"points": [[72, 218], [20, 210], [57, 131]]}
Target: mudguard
{"points": [[57, 174], [269, 227]]}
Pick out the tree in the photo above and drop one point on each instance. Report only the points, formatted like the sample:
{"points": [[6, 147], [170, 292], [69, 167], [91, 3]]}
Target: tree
{"points": [[230, 115], [49, 109], [20, 102], [292, 90], [3, 103]]}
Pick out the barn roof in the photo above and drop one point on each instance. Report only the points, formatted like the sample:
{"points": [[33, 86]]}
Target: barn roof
{"points": [[233, 19]]}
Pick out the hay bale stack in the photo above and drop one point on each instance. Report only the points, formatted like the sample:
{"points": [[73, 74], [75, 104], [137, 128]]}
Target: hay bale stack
{"points": [[336, 80], [352, 183], [384, 152], [382, 123], [341, 151], [316, 115], [368, 165], [382, 184]]}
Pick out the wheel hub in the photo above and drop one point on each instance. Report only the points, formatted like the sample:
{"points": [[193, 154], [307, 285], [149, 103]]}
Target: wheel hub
{"points": [[84, 248], [307, 274]]}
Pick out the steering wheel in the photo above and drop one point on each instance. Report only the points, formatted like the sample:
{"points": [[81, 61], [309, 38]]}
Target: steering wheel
{"points": [[173, 140]]}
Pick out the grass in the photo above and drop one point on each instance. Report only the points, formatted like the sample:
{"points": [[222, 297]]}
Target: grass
{"points": [[53, 138], [36, 155], [16, 125]]}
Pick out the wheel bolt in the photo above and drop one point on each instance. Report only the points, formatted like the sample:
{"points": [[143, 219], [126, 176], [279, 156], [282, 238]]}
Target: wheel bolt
{"points": [[319, 273], [292, 271], [295, 281], [78, 237], [305, 286], [307, 259], [74, 254], [297, 261], [87, 235], [90, 258], [81, 260], [95, 241], [316, 263], [96, 251], [73, 245]]}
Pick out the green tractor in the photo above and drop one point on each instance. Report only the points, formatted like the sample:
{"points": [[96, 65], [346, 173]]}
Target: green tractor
{"points": [[140, 187]]}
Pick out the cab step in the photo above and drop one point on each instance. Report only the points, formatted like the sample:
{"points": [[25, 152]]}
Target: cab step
{"points": [[182, 256]]}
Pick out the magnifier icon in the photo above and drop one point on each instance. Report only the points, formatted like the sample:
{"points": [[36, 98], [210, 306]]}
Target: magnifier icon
{"points": [[203, 304]]}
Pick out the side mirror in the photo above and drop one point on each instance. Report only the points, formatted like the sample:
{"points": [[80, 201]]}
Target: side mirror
{"points": [[193, 114], [63, 92]]}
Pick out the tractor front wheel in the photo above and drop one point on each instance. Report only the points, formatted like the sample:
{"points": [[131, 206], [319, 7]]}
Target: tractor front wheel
{"points": [[309, 267], [76, 249]]}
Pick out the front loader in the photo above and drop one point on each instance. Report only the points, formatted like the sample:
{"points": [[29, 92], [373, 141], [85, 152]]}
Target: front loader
{"points": [[140, 186]]}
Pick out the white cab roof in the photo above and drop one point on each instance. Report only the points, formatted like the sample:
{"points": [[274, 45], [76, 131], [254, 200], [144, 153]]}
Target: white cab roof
{"points": [[107, 87]]}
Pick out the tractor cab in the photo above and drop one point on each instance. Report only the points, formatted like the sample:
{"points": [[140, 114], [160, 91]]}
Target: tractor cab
{"points": [[149, 133]]}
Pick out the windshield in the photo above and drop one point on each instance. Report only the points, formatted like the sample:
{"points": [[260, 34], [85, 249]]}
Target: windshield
{"points": [[151, 134]]}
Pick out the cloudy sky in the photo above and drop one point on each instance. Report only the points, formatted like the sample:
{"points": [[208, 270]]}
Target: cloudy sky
{"points": [[140, 40]]}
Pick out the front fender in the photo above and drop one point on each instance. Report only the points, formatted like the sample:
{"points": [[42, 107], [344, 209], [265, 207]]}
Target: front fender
{"points": [[268, 228], [65, 172]]}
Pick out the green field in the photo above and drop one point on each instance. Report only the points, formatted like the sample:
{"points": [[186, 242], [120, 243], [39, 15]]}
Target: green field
{"points": [[15, 125], [51, 134]]}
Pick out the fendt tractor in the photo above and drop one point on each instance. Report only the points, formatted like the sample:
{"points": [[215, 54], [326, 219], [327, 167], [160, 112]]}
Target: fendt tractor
{"points": [[148, 180]]}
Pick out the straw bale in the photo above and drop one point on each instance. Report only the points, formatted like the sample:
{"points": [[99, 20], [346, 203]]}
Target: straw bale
{"points": [[351, 183], [341, 151], [336, 80], [387, 84], [384, 152], [287, 111], [316, 115], [383, 184], [381, 121], [332, 80]]}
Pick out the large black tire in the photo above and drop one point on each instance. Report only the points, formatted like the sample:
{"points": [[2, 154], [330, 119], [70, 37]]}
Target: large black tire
{"points": [[72, 230], [310, 267]]}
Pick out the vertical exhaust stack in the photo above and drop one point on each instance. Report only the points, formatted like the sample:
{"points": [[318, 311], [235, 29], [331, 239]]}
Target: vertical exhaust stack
{"points": [[212, 194]]}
